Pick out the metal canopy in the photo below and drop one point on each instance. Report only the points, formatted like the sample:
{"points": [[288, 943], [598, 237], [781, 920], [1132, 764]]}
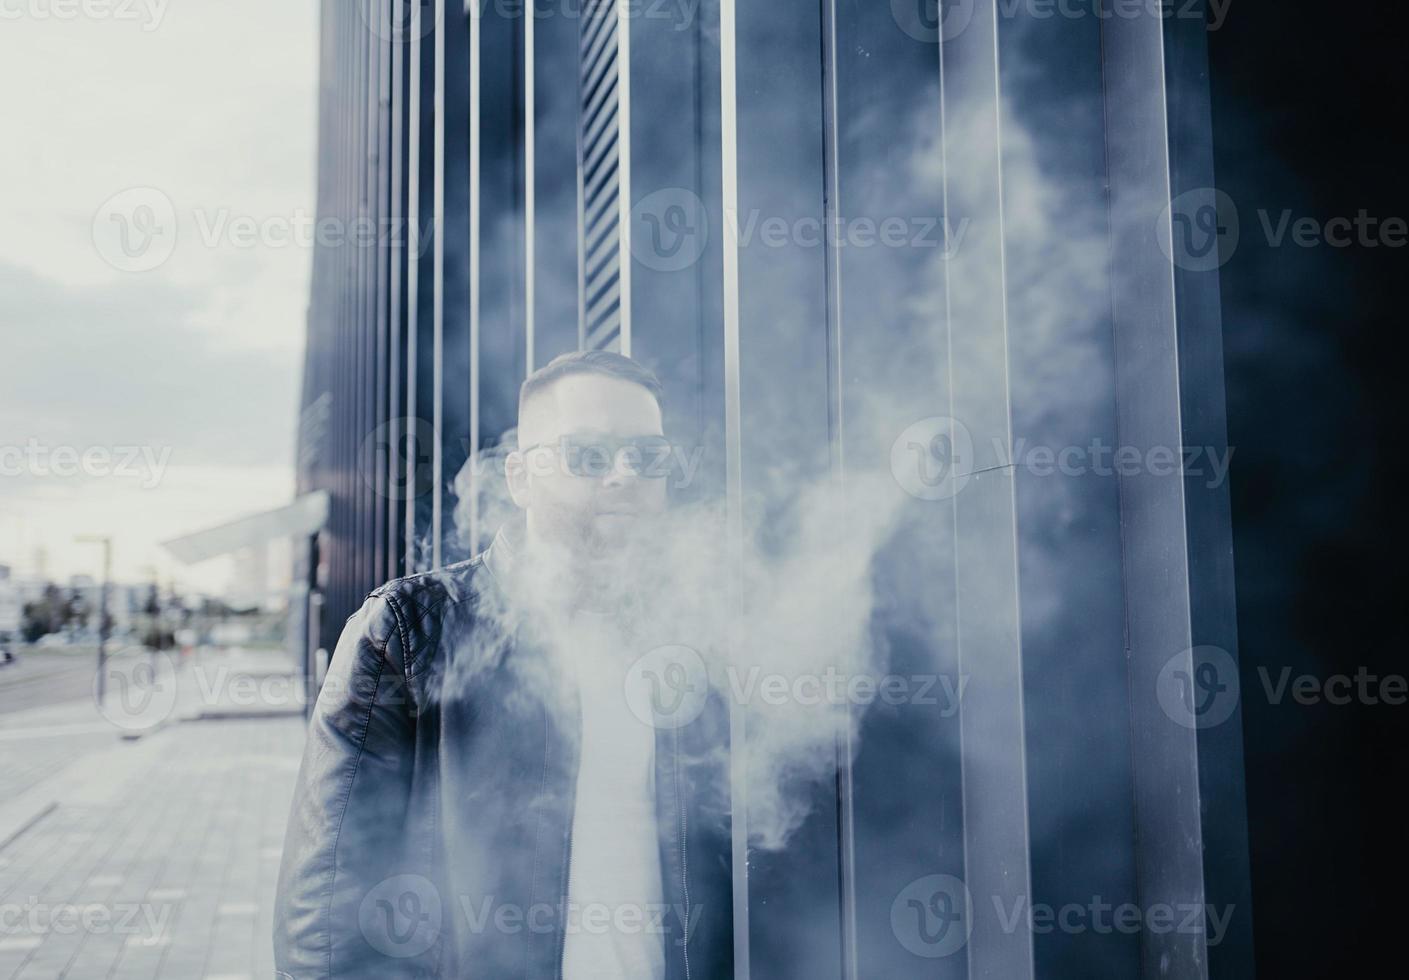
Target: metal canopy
{"points": [[305, 516]]}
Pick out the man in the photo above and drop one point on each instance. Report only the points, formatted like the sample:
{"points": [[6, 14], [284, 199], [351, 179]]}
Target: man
{"points": [[481, 795]]}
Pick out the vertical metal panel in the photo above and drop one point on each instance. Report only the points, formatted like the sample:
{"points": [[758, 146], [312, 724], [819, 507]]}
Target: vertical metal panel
{"points": [[785, 389], [426, 444], [578, 117], [674, 230], [476, 83], [733, 438], [623, 14], [1169, 845], [346, 319], [1061, 368], [530, 187], [499, 120], [891, 370], [414, 434], [399, 244], [831, 216], [1208, 511], [455, 399], [996, 854], [363, 260], [350, 327], [438, 428], [500, 276], [378, 452], [553, 270], [333, 310]]}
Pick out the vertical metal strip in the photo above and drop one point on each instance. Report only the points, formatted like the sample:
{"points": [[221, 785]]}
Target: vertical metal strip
{"points": [[348, 325], [351, 286], [367, 279], [475, 136], [385, 408], [846, 749], [1169, 848], [988, 615], [367, 290], [413, 273], [530, 188], [623, 158], [832, 217], [397, 229], [438, 293], [581, 199], [729, 200], [1208, 512]]}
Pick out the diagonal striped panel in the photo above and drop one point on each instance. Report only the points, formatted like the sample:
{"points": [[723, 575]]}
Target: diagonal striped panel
{"points": [[599, 173]]}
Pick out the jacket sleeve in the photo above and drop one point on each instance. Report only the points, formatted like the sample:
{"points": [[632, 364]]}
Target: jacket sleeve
{"points": [[345, 907]]}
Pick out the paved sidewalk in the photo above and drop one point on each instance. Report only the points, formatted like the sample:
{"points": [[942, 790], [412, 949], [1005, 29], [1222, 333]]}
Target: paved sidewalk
{"points": [[39, 743], [158, 859], [141, 840]]}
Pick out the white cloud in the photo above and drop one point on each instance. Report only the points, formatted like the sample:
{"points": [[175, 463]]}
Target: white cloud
{"points": [[214, 103], [216, 107]]}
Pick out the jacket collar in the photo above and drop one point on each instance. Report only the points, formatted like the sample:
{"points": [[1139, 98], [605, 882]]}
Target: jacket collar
{"points": [[501, 557]]}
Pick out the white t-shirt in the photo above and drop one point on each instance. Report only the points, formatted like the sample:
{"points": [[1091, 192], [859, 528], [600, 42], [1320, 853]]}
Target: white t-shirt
{"points": [[614, 876]]}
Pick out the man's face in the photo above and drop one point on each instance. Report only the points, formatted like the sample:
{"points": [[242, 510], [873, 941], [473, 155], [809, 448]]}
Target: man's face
{"points": [[578, 473]]}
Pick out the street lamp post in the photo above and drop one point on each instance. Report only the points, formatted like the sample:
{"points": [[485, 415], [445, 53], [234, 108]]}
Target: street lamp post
{"points": [[103, 623]]}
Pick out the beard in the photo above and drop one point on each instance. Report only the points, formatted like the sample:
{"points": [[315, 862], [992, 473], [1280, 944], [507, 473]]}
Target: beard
{"points": [[597, 557]]}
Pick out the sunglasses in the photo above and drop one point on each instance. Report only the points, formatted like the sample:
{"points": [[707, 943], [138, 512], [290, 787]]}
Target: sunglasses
{"points": [[595, 456]]}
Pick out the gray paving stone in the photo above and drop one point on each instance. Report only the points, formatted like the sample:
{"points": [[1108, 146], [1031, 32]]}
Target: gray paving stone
{"points": [[176, 868]]}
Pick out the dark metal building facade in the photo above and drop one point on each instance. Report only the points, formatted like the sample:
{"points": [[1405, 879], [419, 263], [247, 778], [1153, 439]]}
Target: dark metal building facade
{"points": [[979, 210]]}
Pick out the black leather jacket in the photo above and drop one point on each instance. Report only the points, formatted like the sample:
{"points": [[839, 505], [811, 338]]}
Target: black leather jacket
{"points": [[431, 827]]}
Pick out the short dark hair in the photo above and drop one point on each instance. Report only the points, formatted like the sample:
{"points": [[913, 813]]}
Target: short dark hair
{"points": [[602, 362]]}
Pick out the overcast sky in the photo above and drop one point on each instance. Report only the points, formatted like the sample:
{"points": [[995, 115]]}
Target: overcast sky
{"points": [[150, 368]]}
